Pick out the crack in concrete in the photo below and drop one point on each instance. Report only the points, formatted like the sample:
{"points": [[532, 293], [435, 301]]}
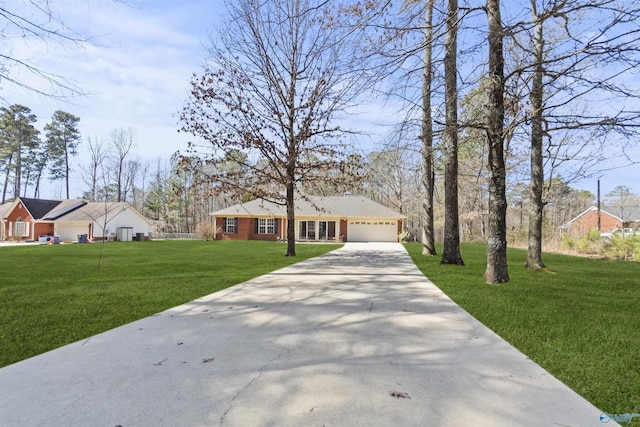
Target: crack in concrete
{"points": [[260, 372]]}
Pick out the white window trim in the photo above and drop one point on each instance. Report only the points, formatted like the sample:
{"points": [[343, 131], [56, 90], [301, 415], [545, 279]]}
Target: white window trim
{"points": [[230, 226], [266, 225]]}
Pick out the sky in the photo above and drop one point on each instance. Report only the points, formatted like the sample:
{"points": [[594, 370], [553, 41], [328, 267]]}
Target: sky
{"points": [[135, 70]]}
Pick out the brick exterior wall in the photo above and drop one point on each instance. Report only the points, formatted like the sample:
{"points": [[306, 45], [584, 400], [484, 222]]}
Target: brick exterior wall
{"points": [[581, 226], [246, 230], [18, 212], [43, 229]]}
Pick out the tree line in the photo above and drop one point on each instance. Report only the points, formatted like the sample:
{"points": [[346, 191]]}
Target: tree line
{"points": [[535, 93], [27, 157], [499, 107]]}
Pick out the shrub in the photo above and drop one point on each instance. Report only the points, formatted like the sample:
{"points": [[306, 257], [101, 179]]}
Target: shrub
{"points": [[627, 248], [206, 230], [404, 236], [591, 243], [568, 244]]}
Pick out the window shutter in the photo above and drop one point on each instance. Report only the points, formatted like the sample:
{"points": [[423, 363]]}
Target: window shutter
{"points": [[255, 226], [235, 225], [275, 225], [224, 225]]}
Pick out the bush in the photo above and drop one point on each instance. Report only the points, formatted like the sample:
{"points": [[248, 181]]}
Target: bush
{"points": [[591, 243], [568, 244], [206, 230], [404, 236], [627, 248]]}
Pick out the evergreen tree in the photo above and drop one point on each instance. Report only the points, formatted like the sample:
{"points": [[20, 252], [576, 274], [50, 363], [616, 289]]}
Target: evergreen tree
{"points": [[63, 138]]}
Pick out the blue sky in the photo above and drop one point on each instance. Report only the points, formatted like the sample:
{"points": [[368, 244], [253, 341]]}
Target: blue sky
{"points": [[136, 70]]}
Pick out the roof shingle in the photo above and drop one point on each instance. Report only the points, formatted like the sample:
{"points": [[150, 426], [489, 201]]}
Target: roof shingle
{"points": [[336, 206]]}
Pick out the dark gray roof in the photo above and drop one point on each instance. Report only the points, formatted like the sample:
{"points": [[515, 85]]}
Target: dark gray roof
{"points": [[38, 208], [337, 207]]}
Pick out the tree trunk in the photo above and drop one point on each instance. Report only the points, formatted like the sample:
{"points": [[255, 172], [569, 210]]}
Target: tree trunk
{"points": [[534, 250], [7, 175], [66, 167], [451, 249], [428, 239], [291, 222], [17, 175], [497, 270]]}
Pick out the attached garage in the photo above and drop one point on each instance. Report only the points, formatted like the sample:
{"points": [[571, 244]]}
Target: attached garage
{"points": [[373, 231], [69, 231], [335, 218]]}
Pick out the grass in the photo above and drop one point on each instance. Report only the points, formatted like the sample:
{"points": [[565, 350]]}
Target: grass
{"points": [[52, 295], [580, 320]]}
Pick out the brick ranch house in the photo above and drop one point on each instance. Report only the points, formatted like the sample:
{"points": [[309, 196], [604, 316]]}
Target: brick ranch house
{"points": [[611, 217], [36, 219], [340, 218]]}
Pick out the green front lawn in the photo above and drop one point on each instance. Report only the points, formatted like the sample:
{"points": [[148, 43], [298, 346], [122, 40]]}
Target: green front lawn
{"points": [[52, 295], [580, 320]]}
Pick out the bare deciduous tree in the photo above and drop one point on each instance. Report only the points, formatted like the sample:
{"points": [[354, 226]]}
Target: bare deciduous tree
{"points": [[451, 249], [91, 173], [36, 20], [497, 270], [428, 176], [122, 141], [279, 74], [580, 57]]}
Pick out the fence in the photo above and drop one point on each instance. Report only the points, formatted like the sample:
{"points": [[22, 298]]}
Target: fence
{"points": [[173, 236]]}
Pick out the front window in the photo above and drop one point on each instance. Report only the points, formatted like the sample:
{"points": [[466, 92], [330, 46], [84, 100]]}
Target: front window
{"points": [[19, 228], [230, 225], [266, 226]]}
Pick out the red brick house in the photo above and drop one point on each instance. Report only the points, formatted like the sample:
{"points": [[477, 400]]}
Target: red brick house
{"points": [[342, 218], [580, 225]]}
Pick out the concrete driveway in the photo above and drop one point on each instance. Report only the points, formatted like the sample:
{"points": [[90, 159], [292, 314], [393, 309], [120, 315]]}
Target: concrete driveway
{"points": [[357, 337]]}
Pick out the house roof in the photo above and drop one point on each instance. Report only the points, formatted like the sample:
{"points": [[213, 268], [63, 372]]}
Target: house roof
{"points": [[67, 210], [4, 209], [38, 208], [628, 213], [631, 213], [336, 206], [592, 208], [64, 207], [91, 211]]}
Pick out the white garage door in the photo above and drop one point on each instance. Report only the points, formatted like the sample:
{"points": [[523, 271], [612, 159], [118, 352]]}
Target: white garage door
{"points": [[70, 232], [372, 231]]}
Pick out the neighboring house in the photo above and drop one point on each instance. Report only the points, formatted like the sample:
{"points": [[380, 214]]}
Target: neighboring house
{"points": [[35, 219], [344, 218], [4, 208], [610, 218]]}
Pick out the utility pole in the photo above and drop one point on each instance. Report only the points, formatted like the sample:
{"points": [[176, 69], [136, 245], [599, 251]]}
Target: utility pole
{"points": [[599, 203]]}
